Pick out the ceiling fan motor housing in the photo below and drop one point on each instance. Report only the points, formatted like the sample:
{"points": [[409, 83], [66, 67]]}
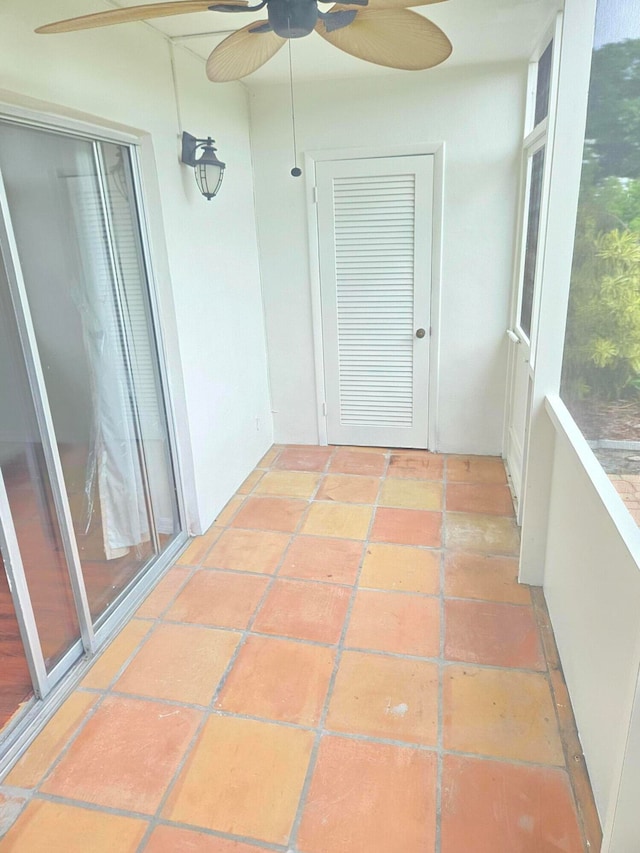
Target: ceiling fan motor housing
{"points": [[292, 18]]}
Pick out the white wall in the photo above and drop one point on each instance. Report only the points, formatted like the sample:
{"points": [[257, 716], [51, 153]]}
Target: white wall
{"points": [[623, 832], [478, 114], [592, 587], [209, 276]]}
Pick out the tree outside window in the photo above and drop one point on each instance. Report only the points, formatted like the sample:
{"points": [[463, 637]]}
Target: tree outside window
{"points": [[601, 369]]}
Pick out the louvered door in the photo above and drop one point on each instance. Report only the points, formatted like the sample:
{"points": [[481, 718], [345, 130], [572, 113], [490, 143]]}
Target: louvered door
{"points": [[375, 233]]}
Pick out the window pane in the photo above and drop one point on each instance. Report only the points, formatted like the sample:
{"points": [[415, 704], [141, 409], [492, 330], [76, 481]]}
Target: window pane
{"points": [[601, 369], [29, 491], [531, 249], [543, 83]]}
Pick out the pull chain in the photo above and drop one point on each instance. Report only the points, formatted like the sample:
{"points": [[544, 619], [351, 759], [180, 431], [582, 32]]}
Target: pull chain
{"points": [[295, 172]]}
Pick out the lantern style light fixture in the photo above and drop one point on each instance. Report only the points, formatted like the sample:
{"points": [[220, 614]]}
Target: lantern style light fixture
{"points": [[209, 171]]}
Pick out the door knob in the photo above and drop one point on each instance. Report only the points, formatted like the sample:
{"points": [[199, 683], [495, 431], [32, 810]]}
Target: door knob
{"points": [[420, 333]]}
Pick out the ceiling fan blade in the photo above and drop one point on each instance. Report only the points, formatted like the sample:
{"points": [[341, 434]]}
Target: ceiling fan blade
{"points": [[134, 13], [377, 5], [264, 27], [396, 38], [241, 53], [233, 7]]}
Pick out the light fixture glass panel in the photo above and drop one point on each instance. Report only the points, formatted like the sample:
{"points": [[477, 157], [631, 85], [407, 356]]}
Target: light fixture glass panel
{"points": [[208, 178]]}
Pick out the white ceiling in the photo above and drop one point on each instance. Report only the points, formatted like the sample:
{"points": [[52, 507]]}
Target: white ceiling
{"points": [[481, 31]]}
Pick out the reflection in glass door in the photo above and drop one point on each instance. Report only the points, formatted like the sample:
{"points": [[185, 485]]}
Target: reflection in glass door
{"points": [[15, 685], [25, 481], [79, 247]]}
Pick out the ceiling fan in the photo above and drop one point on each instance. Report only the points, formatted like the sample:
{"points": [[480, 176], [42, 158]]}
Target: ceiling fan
{"points": [[384, 32]]}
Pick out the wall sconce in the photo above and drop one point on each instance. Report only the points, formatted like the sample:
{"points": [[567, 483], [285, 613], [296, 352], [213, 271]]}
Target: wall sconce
{"points": [[209, 171]]}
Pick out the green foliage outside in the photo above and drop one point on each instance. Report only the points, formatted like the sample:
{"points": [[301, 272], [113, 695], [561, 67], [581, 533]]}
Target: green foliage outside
{"points": [[602, 347]]}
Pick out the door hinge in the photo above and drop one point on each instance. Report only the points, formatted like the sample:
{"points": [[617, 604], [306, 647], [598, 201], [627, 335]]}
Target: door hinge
{"points": [[315, 195], [324, 409]]}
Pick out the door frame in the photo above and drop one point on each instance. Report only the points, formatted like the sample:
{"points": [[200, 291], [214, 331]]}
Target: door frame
{"points": [[437, 150]]}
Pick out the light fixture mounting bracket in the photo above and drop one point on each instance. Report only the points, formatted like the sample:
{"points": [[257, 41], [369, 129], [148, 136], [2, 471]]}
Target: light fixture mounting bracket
{"points": [[208, 170], [190, 146]]}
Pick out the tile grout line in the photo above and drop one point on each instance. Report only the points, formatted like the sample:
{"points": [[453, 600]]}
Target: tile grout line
{"points": [[251, 842], [440, 742], [204, 556], [245, 495], [208, 710], [211, 709], [142, 816], [347, 735], [364, 738], [437, 661], [253, 488], [347, 618], [102, 693], [206, 714], [304, 580], [345, 538], [543, 622], [191, 571], [445, 663], [319, 582], [293, 833], [321, 729], [499, 759]]}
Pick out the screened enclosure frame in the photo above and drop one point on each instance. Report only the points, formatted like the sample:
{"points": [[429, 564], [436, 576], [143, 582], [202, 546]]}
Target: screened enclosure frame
{"points": [[537, 140], [538, 135], [51, 687]]}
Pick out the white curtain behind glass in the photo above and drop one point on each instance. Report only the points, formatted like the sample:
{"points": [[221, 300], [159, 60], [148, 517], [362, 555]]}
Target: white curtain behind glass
{"points": [[114, 460], [141, 350]]}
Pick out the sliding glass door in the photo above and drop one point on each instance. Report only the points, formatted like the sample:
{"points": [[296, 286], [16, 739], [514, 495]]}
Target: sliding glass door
{"points": [[85, 447]]}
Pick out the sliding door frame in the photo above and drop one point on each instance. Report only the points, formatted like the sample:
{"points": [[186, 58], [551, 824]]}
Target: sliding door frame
{"points": [[26, 331], [10, 550], [138, 143], [51, 689]]}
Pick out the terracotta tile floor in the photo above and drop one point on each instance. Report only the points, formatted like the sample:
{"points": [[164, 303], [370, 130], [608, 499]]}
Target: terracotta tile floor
{"points": [[343, 663]]}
